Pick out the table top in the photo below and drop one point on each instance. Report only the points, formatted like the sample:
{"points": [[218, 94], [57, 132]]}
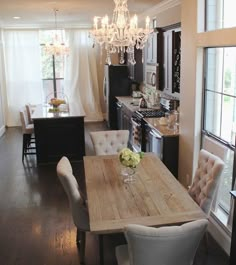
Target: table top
{"points": [[42, 112], [155, 198]]}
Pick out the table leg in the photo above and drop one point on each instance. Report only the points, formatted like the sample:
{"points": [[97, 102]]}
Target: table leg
{"points": [[101, 257]]}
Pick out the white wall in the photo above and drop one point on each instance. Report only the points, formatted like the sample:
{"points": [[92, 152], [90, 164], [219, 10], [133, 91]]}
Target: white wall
{"points": [[190, 101], [2, 124], [2, 120]]}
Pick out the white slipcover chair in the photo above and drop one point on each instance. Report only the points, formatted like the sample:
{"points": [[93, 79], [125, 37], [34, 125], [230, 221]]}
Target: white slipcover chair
{"points": [[206, 180], [109, 142], [77, 204], [168, 245]]}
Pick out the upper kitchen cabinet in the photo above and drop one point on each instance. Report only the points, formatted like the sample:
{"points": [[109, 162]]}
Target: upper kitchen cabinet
{"points": [[171, 63], [136, 71], [153, 47]]}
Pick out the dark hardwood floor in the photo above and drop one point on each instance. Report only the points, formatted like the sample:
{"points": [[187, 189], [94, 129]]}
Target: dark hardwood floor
{"points": [[35, 221]]}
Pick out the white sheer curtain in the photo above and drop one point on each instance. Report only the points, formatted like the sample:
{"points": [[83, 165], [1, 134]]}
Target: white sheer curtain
{"points": [[81, 80], [21, 66]]}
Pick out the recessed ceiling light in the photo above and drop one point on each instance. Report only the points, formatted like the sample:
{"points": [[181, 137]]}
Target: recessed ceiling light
{"points": [[16, 17]]}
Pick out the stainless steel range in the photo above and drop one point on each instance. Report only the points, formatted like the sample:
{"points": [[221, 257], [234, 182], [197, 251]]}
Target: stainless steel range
{"points": [[138, 130]]}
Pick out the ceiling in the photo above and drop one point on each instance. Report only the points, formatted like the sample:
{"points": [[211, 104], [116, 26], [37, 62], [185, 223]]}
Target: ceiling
{"points": [[71, 13]]}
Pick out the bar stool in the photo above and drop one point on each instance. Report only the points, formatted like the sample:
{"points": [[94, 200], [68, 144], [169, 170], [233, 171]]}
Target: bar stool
{"points": [[29, 111], [29, 145]]}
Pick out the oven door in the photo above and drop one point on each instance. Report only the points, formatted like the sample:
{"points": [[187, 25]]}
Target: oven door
{"points": [[136, 134], [156, 143]]}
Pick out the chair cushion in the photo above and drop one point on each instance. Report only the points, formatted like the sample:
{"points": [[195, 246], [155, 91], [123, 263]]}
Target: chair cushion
{"points": [[206, 180], [165, 245], [109, 142]]}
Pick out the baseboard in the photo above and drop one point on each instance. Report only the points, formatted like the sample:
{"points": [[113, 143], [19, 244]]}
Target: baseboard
{"points": [[219, 234], [2, 130]]}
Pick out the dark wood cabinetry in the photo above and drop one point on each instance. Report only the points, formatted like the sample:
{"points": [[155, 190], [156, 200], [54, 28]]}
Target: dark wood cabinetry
{"points": [[165, 146], [136, 70], [172, 59], [59, 137], [126, 123], [58, 134], [154, 47], [154, 53], [151, 49]]}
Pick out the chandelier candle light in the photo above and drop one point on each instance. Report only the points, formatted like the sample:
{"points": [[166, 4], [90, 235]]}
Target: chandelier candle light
{"points": [[122, 34], [57, 47]]}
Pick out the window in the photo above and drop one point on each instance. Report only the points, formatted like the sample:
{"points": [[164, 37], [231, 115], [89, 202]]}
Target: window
{"points": [[52, 68], [220, 109], [220, 14]]}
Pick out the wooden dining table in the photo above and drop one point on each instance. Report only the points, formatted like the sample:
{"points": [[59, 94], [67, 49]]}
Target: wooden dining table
{"points": [[155, 198]]}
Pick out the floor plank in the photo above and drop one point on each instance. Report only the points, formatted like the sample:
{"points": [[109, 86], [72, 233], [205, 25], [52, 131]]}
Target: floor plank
{"points": [[35, 221]]}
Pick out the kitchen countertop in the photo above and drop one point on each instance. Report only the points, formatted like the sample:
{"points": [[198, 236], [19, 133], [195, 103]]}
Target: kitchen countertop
{"points": [[42, 112], [132, 103], [162, 129]]}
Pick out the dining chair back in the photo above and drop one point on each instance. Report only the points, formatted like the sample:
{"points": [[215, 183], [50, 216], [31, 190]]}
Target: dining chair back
{"points": [[206, 180], [29, 110], [77, 204], [169, 245], [109, 142], [29, 145]]}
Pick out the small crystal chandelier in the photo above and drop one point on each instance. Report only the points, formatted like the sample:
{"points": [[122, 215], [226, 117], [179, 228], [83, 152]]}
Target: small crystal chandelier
{"points": [[57, 47], [122, 34]]}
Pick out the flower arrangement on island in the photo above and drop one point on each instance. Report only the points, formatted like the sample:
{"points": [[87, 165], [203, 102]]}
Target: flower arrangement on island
{"points": [[129, 158], [56, 102]]}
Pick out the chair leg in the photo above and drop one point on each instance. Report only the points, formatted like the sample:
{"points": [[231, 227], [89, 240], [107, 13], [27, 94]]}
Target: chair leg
{"points": [[24, 145], [101, 253], [206, 241], [81, 241], [28, 146]]}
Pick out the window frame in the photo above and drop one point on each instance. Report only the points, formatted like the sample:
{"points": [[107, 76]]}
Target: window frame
{"points": [[213, 39]]}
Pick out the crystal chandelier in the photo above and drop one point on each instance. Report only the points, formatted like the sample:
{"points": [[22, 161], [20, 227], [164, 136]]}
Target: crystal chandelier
{"points": [[122, 34], [57, 47]]}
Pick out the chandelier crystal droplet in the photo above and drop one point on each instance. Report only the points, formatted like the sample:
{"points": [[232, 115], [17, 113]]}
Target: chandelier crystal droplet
{"points": [[122, 35]]}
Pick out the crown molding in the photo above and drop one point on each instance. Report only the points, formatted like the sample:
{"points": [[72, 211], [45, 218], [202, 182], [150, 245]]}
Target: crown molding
{"points": [[44, 27], [159, 8]]}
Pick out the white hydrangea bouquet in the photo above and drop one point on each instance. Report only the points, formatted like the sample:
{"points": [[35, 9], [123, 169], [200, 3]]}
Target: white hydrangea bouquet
{"points": [[129, 158]]}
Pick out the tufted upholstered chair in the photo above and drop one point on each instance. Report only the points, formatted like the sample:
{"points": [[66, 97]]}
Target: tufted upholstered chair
{"points": [[109, 142], [28, 146], [206, 180], [77, 204], [158, 246]]}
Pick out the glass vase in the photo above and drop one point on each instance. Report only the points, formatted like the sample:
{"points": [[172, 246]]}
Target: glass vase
{"points": [[128, 173]]}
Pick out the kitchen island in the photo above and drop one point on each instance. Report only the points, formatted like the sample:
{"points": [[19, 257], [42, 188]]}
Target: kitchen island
{"points": [[58, 134]]}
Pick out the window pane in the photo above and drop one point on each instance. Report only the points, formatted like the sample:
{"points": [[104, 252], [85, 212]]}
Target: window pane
{"points": [[212, 122], [220, 93], [47, 64], [48, 89], [59, 66], [52, 65], [220, 14], [225, 187]]}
